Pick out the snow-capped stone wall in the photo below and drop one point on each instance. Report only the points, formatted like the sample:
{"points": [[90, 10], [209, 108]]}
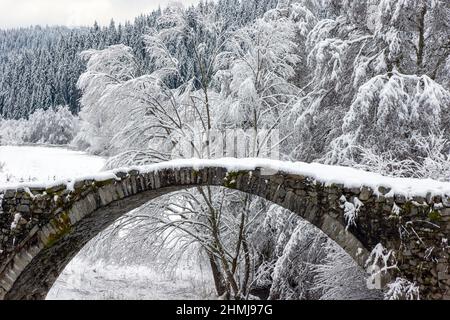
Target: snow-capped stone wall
{"points": [[43, 227]]}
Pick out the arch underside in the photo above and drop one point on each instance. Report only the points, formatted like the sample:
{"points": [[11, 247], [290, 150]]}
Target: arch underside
{"points": [[93, 206], [40, 274]]}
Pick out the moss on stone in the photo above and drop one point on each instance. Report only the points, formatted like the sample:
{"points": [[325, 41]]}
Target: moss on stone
{"points": [[231, 177], [103, 183], [394, 217], [434, 216], [55, 192], [407, 207], [63, 227]]}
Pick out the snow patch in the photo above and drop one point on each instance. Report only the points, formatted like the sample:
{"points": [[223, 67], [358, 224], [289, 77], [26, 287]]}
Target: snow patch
{"points": [[16, 221], [329, 175]]}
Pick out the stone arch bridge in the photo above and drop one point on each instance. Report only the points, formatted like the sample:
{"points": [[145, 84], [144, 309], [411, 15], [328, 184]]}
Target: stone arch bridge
{"points": [[43, 227]]}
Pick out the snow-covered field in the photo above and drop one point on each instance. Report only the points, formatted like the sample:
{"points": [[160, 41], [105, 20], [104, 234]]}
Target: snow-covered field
{"points": [[83, 280], [44, 164]]}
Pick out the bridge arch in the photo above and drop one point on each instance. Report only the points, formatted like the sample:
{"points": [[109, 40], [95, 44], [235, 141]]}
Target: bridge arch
{"points": [[42, 229]]}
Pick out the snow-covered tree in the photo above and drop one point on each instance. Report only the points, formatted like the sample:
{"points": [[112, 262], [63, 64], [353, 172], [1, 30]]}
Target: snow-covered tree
{"points": [[255, 86], [107, 69], [298, 261], [384, 59], [338, 277], [52, 126], [402, 289], [293, 276], [388, 113]]}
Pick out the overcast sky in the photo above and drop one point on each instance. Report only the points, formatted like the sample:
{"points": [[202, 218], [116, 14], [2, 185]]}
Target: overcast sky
{"points": [[23, 13]]}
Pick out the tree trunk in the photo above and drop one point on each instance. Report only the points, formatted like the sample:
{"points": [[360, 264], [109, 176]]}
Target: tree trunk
{"points": [[245, 283], [421, 44], [219, 282]]}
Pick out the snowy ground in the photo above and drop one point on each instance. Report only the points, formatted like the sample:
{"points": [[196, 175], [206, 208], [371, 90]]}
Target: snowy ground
{"points": [[28, 164], [83, 280]]}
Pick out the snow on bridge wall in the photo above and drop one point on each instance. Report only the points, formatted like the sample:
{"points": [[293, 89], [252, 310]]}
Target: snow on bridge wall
{"points": [[42, 227]]}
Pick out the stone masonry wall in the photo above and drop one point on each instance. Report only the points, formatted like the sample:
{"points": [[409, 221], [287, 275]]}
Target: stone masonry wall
{"points": [[42, 229]]}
